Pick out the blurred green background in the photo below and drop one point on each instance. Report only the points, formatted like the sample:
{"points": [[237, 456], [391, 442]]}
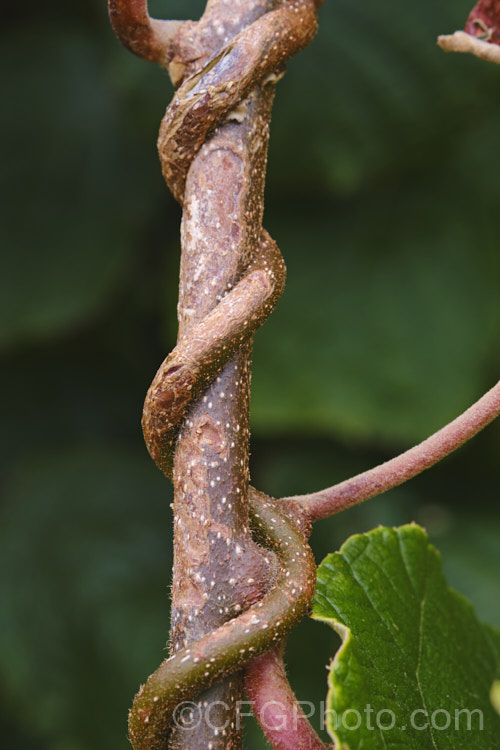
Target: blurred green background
{"points": [[383, 195]]}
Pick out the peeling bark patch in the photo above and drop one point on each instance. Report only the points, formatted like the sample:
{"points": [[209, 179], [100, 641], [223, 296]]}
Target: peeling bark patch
{"points": [[208, 433]]}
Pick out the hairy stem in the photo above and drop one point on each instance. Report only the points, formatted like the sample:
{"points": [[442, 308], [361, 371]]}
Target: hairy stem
{"points": [[146, 37], [375, 481], [275, 705], [218, 569], [235, 643], [213, 146]]}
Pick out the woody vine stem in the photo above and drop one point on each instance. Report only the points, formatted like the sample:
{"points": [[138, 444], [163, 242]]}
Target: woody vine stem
{"points": [[244, 574]]}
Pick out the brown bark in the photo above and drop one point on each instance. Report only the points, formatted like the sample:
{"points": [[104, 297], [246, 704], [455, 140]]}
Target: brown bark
{"points": [[231, 277], [218, 569]]}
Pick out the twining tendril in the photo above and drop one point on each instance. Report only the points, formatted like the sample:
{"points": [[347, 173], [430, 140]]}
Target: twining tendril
{"points": [[252, 58], [238, 641]]}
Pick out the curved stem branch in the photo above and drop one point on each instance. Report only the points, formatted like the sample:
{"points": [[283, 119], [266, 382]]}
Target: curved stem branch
{"points": [[146, 37], [460, 41], [239, 640], [275, 706], [375, 481]]}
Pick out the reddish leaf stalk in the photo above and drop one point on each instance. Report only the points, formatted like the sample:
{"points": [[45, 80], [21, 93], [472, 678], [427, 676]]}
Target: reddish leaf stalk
{"points": [[275, 706], [407, 465]]}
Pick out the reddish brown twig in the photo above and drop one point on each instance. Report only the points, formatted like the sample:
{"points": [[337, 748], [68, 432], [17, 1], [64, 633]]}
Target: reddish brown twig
{"points": [[460, 41], [236, 642], [275, 706], [375, 481], [231, 276], [146, 37], [481, 36]]}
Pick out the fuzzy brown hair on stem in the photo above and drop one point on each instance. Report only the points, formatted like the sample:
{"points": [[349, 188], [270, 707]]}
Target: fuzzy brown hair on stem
{"points": [[213, 146]]}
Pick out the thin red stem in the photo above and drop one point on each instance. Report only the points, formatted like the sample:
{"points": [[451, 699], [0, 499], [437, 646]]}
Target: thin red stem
{"points": [[375, 481], [275, 705]]}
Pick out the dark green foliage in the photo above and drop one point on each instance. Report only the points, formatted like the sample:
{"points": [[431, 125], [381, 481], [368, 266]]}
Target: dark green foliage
{"points": [[413, 650], [382, 195]]}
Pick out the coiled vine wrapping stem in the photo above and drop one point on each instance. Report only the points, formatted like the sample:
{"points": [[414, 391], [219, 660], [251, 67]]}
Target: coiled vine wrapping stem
{"points": [[236, 642], [252, 60]]}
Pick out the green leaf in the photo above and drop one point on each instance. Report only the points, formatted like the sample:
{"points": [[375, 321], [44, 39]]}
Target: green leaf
{"points": [[416, 666]]}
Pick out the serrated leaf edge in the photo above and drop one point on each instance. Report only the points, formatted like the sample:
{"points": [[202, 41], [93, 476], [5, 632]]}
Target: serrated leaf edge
{"points": [[346, 634]]}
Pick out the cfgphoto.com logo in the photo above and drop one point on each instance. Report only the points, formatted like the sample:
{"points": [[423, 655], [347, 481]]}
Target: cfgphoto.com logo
{"points": [[278, 717]]}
